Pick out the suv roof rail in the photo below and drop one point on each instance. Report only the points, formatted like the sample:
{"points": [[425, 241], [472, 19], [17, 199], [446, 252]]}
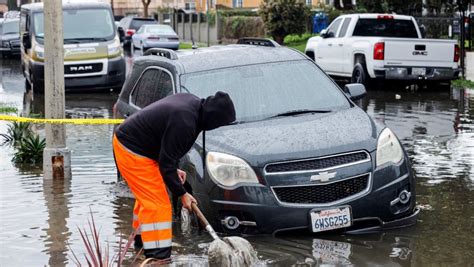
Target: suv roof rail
{"points": [[257, 41], [162, 52]]}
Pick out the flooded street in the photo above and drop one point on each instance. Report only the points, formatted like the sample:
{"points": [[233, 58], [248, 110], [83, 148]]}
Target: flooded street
{"points": [[39, 219]]}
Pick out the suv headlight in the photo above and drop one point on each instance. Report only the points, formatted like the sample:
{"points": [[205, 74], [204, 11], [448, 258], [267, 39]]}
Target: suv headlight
{"points": [[114, 49], [5, 44], [389, 149], [229, 171]]}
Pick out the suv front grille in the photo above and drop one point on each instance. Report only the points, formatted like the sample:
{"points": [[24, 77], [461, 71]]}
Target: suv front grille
{"points": [[321, 194], [317, 164]]}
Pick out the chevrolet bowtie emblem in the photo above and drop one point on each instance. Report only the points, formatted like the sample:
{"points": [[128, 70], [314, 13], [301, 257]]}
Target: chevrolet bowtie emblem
{"points": [[323, 176]]}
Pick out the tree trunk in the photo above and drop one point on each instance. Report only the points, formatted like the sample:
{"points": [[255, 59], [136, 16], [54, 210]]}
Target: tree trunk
{"points": [[146, 3]]}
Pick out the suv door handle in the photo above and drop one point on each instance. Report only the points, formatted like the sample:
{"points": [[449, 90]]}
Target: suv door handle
{"points": [[329, 44], [341, 44]]}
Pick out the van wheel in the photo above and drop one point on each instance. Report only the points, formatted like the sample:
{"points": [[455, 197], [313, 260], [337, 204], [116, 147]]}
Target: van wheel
{"points": [[360, 75]]}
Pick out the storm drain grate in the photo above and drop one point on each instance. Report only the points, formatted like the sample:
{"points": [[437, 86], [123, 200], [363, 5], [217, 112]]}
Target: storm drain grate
{"points": [[316, 164], [320, 194]]}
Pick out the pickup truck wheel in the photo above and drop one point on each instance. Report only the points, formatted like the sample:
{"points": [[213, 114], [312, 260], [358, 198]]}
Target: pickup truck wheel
{"points": [[360, 75]]}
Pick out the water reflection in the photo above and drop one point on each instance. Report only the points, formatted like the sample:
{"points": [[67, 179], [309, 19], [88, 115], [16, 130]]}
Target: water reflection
{"points": [[56, 196]]}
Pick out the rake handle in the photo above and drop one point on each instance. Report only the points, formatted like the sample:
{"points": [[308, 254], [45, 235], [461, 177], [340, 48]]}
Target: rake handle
{"points": [[204, 221]]}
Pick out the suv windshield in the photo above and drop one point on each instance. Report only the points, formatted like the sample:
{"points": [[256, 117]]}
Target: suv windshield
{"points": [[385, 28], [266, 90], [10, 27], [81, 25]]}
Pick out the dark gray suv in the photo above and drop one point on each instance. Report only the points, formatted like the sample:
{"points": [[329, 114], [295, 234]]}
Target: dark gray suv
{"points": [[301, 155]]}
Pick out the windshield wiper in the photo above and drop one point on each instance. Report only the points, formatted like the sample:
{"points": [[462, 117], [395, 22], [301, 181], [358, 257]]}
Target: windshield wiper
{"points": [[300, 111], [10, 32]]}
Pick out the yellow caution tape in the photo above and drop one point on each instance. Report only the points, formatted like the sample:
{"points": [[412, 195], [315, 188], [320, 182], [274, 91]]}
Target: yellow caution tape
{"points": [[61, 121]]}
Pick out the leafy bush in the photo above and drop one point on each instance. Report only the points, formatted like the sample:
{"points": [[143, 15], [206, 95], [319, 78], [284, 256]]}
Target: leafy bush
{"points": [[283, 17], [295, 38], [237, 12], [30, 149], [4, 108], [236, 27]]}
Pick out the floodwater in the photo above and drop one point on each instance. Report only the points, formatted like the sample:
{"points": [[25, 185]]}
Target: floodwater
{"points": [[39, 219]]}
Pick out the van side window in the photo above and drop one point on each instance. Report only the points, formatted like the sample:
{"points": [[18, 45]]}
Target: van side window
{"points": [[143, 94]]}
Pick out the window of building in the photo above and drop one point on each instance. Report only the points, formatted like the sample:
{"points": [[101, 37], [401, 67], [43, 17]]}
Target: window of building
{"points": [[237, 3]]}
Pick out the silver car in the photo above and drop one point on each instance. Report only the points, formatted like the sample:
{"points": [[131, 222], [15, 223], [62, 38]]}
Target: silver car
{"points": [[155, 36]]}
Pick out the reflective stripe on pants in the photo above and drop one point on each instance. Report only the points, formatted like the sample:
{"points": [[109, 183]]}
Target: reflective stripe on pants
{"points": [[152, 207]]}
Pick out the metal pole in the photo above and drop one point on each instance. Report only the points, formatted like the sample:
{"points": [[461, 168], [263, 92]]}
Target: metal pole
{"points": [[463, 48], [56, 156], [183, 19]]}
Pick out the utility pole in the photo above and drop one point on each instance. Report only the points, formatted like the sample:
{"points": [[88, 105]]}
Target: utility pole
{"points": [[56, 156]]}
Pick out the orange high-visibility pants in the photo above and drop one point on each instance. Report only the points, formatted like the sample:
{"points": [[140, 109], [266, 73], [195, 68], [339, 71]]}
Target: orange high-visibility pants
{"points": [[152, 211]]}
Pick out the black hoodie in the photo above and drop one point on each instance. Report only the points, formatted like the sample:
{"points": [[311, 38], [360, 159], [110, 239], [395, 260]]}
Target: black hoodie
{"points": [[166, 130]]}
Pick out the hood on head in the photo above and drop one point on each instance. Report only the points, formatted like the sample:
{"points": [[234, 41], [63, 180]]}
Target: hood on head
{"points": [[216, 111]]}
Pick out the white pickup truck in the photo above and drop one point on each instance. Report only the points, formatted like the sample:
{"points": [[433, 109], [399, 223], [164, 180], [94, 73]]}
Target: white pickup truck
{"points": [[382, 46]]}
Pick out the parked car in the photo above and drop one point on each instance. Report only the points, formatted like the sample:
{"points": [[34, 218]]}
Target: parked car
{"points": [[301, 154], [380, 46], [155, 36], [131, 24], [93, 56], [9, 37]]}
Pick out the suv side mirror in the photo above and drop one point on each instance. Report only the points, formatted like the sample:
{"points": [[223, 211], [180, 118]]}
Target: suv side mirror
{"points": [[355, 91], [121, 33], [26, 41]]}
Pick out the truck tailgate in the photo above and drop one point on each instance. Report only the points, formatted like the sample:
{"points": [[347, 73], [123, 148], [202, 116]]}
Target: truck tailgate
{"points": [[419, 52]]}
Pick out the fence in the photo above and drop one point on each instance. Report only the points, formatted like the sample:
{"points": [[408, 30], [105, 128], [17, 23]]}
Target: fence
{"points": [[220, 29]]}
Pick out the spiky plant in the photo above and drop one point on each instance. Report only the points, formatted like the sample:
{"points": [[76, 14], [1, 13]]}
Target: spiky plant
{"points": [[95, 254], [30, 149], [16, 132]]}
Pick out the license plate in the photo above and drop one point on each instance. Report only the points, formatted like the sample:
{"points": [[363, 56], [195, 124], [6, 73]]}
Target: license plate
{"points": [[330, 219], [418, 71]]}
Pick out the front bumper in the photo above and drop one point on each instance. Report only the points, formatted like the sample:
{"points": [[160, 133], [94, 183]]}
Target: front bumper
{"points": [[413, 73], [114, 77], [262, 213]]}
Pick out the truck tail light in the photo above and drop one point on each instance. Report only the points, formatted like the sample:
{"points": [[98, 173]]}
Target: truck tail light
{"points": [[130, 32], [456, 53], [379, 51]]}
